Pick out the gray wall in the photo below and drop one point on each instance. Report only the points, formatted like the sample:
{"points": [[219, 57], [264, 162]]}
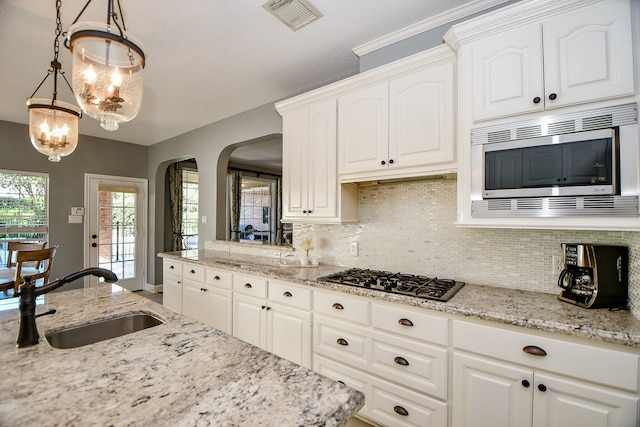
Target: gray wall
{"points": [[66, 183], [210, 146]]}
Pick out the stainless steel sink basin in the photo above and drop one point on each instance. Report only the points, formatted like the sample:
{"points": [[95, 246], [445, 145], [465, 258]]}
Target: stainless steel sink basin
{"points": [[100, 330]]}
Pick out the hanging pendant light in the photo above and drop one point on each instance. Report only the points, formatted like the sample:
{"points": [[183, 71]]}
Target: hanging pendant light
{"points": [[53, 124], [107, 69]]}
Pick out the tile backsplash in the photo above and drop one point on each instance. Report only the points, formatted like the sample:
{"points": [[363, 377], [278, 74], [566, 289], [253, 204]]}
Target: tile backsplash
{"points": [[409, 227]]}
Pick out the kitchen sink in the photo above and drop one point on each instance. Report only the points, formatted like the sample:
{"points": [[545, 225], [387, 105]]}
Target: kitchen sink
{"points": [[100, 330]]}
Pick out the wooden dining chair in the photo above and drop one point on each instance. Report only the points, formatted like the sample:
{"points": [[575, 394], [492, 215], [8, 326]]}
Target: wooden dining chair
{"points": [[24, 267], [14, 247]]}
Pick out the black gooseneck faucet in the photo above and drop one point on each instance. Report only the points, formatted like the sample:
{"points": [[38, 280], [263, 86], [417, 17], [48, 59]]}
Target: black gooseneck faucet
{"points": [[28, 333]]}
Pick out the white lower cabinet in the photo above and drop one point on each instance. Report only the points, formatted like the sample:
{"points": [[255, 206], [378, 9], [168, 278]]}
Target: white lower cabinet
{"points": [[274, 316], [508, 378], [172, 285], [381, 350]]}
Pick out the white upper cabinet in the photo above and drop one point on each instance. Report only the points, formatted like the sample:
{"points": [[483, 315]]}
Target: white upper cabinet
{"points": [[576, 57], [401, 127], [311, 192]]}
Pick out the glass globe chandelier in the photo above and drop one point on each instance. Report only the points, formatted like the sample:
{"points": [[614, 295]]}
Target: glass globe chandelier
{"points": [[107, 69], [53, 124]]}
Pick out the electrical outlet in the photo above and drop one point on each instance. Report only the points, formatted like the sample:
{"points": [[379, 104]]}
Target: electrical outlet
{"points": [[353, 249], [556, 265]]}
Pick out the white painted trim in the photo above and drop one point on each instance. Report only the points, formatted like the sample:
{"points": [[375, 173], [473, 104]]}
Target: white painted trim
{"points": [[425, 25]]}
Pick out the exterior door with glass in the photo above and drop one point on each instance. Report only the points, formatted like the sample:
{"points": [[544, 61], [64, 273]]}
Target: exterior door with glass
{"points": [[115, 228]]}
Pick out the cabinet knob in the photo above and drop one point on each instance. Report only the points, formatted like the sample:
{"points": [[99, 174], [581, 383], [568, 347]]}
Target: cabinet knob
{"points": [[383, 163], [309, 211], [401, 361], [390, 161], [400, 411], [93, 245], [337, 306], [304, 211], [525, 383], [248, 285], [542, 387], [405, 322], [534, 350], [342, 341], [287, 294], [537, 100], [216, 277], [553, 96], [203, 289], [94, 236]]}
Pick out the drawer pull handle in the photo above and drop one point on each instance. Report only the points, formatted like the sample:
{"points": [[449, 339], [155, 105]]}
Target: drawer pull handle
{"points": [[216, 277], [287, 294], [338, 306], [400, 411], [171, 267], [342, 382], [192, 272], [248, 285], [401, 361], [534, 350], [342, 341], [405, 322]]}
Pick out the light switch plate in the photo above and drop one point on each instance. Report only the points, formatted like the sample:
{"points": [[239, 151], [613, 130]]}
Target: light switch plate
{"points": [[75, 219], [77, 211]]}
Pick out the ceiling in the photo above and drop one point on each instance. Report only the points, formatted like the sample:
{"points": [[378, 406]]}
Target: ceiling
{"points": [[206, 59]]}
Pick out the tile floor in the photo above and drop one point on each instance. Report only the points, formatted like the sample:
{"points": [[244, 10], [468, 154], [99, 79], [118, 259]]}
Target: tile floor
{"points": [[157, 297]]}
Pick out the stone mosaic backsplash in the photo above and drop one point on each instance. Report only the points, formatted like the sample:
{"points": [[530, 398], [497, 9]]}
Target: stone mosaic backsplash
{"points": [[409, 227]]}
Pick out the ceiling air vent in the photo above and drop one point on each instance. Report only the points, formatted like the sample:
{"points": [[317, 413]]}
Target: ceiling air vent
{"points": [[294, 13]]}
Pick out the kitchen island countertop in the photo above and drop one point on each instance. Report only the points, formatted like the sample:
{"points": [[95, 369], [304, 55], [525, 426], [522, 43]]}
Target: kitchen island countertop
{"points": [[180, 373], [532, 310]]}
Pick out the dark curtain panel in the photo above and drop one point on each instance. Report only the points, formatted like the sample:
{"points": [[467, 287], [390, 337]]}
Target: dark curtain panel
{"points": [[175, 190], [235, 192], [278, 216]]}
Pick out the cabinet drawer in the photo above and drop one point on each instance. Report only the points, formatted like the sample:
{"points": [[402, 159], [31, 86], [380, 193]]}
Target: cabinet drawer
{"points": [[218, 278], [286, 293], [419, 366], [596, 364], [193, 272], [341, 306], [392, 406], [172, 266], [249, 285], [346, 343], [409, 323]]}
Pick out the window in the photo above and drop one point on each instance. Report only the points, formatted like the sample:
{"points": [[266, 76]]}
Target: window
{"points": [[189, 209], [24, 205], [256, 202]]}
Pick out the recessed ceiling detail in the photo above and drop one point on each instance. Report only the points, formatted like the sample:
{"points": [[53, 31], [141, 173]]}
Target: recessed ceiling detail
{"points": [[294, 13]]}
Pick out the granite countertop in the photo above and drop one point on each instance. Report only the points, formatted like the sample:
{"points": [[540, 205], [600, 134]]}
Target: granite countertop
{"points": [[180, 373], [533, 310]]}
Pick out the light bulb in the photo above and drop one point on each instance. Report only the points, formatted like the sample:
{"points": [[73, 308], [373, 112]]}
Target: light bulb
{"points": [[89, 75]]}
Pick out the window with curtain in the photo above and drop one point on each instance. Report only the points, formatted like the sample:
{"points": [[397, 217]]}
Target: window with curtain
{"points": [[189, 209], [24, 206]]}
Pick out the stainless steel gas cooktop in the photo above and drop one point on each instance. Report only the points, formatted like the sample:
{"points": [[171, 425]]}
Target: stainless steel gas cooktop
{"points": [[397, 283]]}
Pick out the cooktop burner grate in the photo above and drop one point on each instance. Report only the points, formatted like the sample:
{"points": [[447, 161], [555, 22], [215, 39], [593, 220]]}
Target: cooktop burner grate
{"points": [[398, 283]]}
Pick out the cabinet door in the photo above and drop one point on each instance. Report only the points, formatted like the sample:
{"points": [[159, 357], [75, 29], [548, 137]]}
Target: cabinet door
{"points": [[218, 309], [508, 74], [289, 333], [567, 402], [363, 129], [193, 304], [421, 118], [486, 393], [172, 292], [295, 139], [588, 54], [321, 161], [249, 320]]}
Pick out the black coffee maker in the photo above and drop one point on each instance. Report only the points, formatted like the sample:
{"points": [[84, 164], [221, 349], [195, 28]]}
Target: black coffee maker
{"points": [[594, 276]]}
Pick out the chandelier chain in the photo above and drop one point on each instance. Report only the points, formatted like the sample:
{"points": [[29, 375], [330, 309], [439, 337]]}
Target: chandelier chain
{"points": [[56, 43]]}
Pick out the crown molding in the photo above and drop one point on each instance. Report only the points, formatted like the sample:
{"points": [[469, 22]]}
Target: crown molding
{"points": [[425, 25]]}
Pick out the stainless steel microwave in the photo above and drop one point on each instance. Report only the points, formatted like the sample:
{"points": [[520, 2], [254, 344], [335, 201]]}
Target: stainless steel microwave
{"points": [[583, 163]]}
